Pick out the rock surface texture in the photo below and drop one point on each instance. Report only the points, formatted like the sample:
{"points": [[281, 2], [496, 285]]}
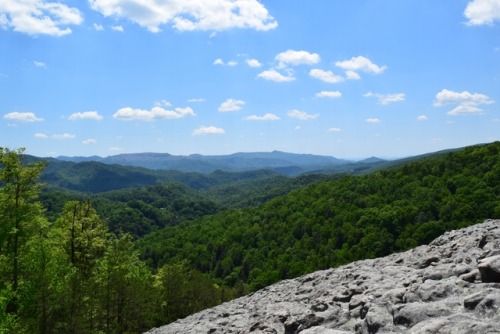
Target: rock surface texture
{"points": [[450, 286]]}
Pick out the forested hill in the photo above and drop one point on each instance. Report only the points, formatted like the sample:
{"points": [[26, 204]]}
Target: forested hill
{"points": [[331, 223], [289, 163], [63, 270]]}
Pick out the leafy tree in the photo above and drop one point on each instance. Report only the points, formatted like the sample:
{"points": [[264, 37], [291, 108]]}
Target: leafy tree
{"points": [[82, 234], [125, 285], [19, 211]]}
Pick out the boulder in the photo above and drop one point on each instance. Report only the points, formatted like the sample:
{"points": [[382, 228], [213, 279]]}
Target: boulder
{"points": [[450, 286]]}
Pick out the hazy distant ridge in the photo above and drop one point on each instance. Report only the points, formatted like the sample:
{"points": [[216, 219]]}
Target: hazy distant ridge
{"points": [[209, 163]]}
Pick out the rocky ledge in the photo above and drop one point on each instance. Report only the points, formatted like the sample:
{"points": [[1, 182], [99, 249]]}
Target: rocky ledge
{"points": [[450, 286]]}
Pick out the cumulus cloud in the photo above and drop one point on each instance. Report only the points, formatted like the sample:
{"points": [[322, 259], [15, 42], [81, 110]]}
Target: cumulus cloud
{"points": [[40, 135], [231, 105], [273, 75], [253, 63], [93, 115], [153, 114], [164, 103], [326, 76], [98, 27], [38, 17], [465, 102], [422, 118], [62, 136], [219, 61], [196, 100], [385, 99], [117, 28], [22, 117], [351, 75], [293, 57], [480, 12], [449, 97], [266, 117], [189, 15], [40, 64], [334, 130], [89, 141], [329, 94], [359, 64], [302, 115], [373, 120], [208, 130]]}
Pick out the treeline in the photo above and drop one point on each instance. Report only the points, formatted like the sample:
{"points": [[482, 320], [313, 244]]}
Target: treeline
{"points": [[72, 275], [141, 210], [332, 223]]}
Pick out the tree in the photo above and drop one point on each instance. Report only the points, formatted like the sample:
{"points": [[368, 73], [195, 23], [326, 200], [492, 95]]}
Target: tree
{"points": [[19, 211], [82, 234], [125, 288]]}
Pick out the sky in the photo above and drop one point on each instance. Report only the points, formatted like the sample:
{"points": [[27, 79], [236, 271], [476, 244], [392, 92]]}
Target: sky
{"points": [[349, 79]]}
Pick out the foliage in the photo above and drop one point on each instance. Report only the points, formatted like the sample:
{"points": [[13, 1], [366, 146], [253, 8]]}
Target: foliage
{"points": [[75, 269], [73, 276], [331, 223]]}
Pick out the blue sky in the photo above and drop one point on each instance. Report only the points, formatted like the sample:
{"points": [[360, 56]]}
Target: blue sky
{"points": [[343, 78]]}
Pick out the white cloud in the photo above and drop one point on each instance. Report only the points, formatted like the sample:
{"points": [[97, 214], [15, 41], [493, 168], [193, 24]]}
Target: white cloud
{"points": [[481, 12], [117, 28], [164, 103], [189, 15], [219, 61], [62, 136], [266, 117], [94, 115], [153, 114], [351, 75], [464, 109], [292, 57], [302, 115], [196, 100], [385, 99], [273, 75], [360, 63], [450, 97], [334, 130], [22, 117], [89, 141], [98, 27], [40, 64], [373, 120], [40, 135], [253, 63], [208, 130], [330, 94], [422, 118], [38, 17], [466, 102], [326, 76], [231, 105]]}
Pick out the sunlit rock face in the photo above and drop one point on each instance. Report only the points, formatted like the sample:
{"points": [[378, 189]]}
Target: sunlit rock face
{"points": [[450, 286]]}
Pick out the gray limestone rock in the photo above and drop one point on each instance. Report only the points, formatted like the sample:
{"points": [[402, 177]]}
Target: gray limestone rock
{"points": [[450, 286]]}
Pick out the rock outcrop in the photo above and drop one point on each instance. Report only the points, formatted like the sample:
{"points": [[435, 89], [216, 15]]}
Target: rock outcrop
{"points": [[450, 286]]}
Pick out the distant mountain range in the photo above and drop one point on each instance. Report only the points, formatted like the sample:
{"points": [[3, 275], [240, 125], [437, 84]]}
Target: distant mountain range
{"points": [[281, 162]]}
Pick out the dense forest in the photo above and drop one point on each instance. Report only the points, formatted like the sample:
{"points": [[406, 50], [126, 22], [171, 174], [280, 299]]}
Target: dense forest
{"points": [[128, 259]]}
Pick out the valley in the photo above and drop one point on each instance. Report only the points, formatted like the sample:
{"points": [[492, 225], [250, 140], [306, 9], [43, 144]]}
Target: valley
{"points": [[191, 240]]}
